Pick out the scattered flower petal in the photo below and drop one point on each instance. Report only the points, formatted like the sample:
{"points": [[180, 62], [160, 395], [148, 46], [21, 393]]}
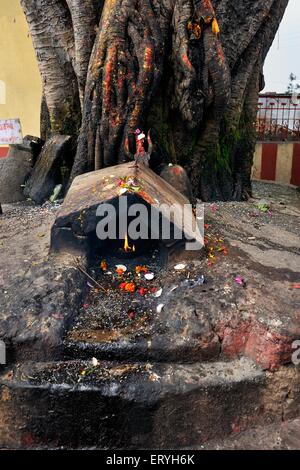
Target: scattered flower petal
{"points": [[103, 265], [95, 362], [127, 286], [172, 289], [131, 314], [180, 267], [239, 280], [154, 377], [143, 291], [121, 267], [149, 276], [141, 269], [159, 308], [158, 293]]}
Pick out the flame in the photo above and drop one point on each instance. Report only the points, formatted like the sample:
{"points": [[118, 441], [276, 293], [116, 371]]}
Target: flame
{"points": [[127, 247]]}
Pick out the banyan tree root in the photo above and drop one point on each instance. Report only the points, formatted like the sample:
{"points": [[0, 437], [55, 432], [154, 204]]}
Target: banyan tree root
{"points": [[187, 69], [126, 70]]}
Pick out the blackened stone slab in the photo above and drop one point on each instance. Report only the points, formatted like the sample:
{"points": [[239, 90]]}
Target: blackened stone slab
{"points": [[46, 173], [129, 405], [15, 169], [177, 177], [88, 191]]}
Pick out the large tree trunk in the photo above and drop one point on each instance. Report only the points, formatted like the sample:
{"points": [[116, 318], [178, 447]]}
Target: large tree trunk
{"points": [[159, 64]]}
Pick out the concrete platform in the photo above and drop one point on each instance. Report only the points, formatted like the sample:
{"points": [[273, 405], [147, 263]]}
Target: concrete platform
{"points": [[206, 332], [133, 405]]}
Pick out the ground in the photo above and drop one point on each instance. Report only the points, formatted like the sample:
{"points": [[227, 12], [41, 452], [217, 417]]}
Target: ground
{"points": [[248, 306], [263, 250], [24, 239]]}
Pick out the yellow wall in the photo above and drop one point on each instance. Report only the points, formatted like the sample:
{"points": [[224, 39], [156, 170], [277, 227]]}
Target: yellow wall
{"points": [[18, 69]]}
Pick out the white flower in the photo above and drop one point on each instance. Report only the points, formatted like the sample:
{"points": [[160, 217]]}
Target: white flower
{"points": [[158, 293], [122, 267], [149, 276], [159, 308], [95, 362], [179, 267]]}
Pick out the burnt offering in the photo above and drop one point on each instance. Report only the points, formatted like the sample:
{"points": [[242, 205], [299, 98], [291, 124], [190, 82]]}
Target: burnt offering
{"points": [[128, 277], [134, 309], [102, 208]]}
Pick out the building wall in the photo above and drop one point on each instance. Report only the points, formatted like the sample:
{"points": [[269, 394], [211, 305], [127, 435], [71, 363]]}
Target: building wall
{"points": [[277, 161], [20, 83]]}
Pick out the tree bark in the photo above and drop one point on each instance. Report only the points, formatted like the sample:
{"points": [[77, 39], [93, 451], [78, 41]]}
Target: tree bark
{"points": [[53, 39], [117, 65]]}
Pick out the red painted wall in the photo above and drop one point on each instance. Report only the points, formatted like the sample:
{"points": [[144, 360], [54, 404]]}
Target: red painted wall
{"points": [[3, 151], [268, 162], [295, 178]]}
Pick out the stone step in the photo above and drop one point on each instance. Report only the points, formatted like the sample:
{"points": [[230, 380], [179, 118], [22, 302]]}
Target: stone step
{"points": [[276, 436], [199, 324], [124, 347], [134, 405]]}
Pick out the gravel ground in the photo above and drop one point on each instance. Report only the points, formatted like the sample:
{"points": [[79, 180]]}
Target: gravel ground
{"points": [[24, 238], [263, 242]]}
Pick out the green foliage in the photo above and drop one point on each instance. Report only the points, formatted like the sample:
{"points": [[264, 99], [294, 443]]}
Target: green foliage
{"points": [[262, 207], [64, 120], [230, 139]]}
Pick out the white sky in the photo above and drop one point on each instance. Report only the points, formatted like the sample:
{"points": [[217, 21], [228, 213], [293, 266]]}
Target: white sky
{"points": [[284, 56]]}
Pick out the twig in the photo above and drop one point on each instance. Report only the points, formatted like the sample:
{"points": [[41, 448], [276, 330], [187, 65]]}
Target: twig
{"points": [[89, 277]]}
